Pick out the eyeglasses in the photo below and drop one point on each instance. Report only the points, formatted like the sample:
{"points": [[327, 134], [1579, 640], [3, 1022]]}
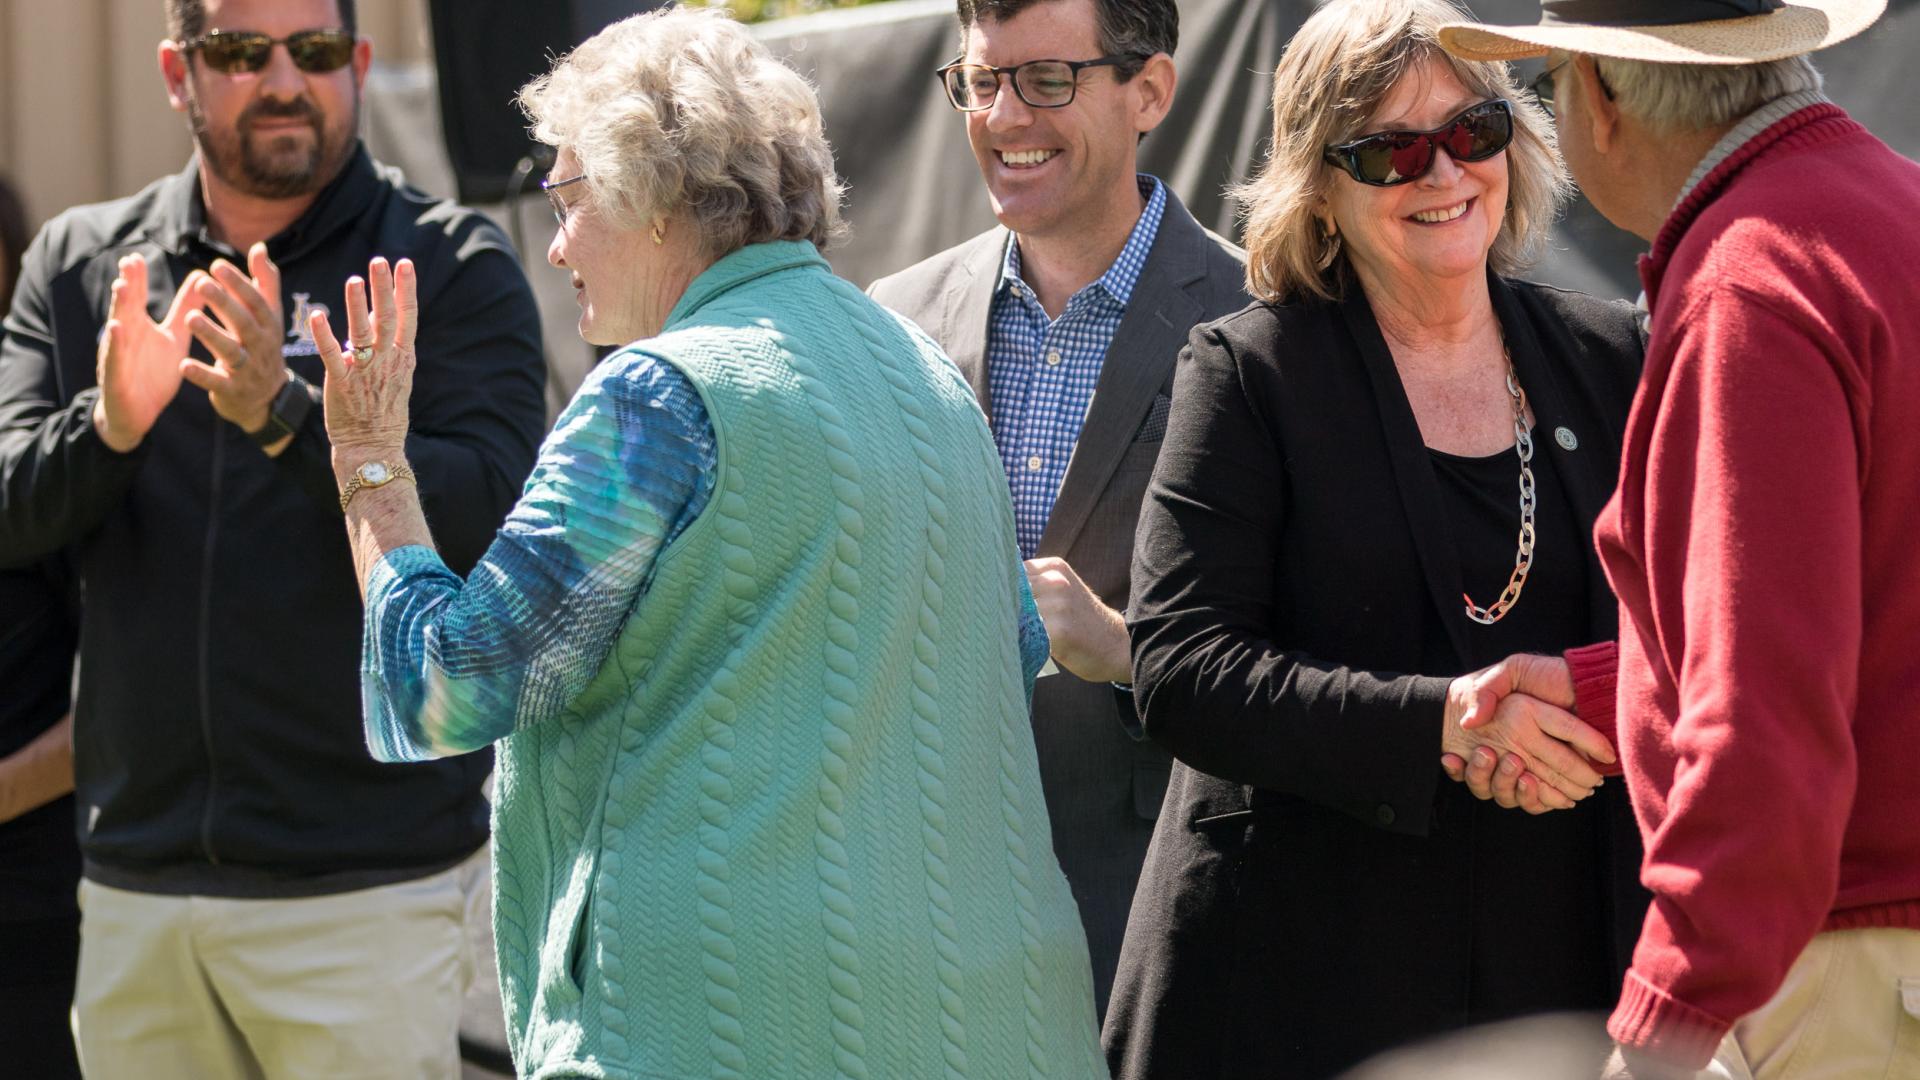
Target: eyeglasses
{"points": [[1042, 84], [560, 207], [1396, 157], [238, 52], [1542, 85]]}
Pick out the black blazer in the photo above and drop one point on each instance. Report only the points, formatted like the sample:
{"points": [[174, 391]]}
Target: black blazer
{"points": [[1308, 892]]}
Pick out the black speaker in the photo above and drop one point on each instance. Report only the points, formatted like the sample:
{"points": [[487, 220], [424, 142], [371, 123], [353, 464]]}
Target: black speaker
{"points": [[485, 51]]}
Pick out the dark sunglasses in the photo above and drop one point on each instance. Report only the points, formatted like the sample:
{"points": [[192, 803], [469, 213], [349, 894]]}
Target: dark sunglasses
{"points": [[241, 52], [1396, 157]]}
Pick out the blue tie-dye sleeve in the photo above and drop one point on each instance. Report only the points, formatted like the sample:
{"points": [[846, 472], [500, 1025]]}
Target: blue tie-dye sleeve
{"points": [[451, 666], [1034, 644]]}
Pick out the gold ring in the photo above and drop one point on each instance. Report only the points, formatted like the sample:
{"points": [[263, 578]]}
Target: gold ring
{"points": [[363, 354]]}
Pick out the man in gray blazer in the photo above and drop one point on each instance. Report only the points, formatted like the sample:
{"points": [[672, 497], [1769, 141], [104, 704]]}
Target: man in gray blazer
{"points": [[1067, 320]]}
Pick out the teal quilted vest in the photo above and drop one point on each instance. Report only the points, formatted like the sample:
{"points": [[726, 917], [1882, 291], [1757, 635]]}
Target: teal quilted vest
{"points": [[794, 826]]}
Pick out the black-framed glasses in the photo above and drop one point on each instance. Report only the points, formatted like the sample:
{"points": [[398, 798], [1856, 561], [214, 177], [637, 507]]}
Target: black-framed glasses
{"points": [[1042, 84], [240, 52], [1396, 157], [560, 207], [1542, 86]]}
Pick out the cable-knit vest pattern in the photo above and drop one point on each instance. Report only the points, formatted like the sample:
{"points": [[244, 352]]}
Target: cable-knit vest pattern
{"points": [[794, 827]]}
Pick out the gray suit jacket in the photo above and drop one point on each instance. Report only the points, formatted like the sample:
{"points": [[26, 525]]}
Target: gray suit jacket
{"points": [[1103, 786]]}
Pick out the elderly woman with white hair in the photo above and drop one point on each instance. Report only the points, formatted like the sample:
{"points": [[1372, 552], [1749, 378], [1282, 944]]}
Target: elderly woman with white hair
{"points": [[1375, 481], [755, 644]]}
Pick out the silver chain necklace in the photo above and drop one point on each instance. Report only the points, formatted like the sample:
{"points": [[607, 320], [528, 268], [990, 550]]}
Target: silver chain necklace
{"points": [[1523, 559]]}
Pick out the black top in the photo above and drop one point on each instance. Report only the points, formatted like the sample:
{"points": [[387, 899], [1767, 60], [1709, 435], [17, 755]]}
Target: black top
{"points": [[39, 861], [1481, 500], [217, 738], [1514, 856], [1317, 890]]}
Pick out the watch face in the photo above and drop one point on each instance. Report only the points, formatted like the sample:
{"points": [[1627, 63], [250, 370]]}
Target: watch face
{"points": [[374, 473]]}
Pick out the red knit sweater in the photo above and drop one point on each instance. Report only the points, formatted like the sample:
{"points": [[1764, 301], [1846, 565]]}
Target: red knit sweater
{"points": [[1763, 546]]}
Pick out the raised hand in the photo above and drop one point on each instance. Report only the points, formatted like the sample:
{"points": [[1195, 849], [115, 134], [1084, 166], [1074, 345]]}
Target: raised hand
{"points": [[138, 362], [1089, 638], [248, 366], [367, 389]]}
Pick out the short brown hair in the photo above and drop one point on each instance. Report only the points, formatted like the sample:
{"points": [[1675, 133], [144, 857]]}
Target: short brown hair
{"points": [[1335, 73], [187, 19], [1133, 28]]}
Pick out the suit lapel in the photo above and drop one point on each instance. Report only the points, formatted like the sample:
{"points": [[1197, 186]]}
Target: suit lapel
{"points": [[1412, 470], [1161, 312], [969, 306]]}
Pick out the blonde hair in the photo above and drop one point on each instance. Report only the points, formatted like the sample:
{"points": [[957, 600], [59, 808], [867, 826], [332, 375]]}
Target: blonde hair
{"points": [[1334, 75], [685, 109]]}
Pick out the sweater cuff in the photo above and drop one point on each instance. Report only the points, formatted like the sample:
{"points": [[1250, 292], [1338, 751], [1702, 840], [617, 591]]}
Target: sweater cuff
{"points": [[1650, 1020], [1596, 670]]}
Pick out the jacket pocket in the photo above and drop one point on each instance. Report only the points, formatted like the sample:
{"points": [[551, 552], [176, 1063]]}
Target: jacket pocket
{"points": [[1154, 427], [1905, 1061]]}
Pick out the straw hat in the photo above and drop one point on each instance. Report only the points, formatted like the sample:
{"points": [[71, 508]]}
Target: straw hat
{"points": [[1670, 31]]}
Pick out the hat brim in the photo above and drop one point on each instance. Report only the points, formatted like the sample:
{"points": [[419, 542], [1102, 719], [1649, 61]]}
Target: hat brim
{"points": [[1802, 26]]}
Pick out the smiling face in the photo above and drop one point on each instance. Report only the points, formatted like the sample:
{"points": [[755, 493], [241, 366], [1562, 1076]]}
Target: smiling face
{"points": [[624, 283], [1441, 225], [1058, 171], [279, 132]]}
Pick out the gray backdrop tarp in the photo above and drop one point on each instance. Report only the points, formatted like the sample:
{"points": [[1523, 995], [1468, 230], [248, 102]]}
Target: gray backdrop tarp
{"points": [[914, 187]]}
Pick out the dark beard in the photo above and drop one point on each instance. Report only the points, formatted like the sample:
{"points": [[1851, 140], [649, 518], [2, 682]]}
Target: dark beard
{"points": [[243, 162]]}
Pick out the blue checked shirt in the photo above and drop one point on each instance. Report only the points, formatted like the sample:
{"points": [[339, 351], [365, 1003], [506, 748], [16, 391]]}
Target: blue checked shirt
{"points": [[450, 666], [1041, 372]]}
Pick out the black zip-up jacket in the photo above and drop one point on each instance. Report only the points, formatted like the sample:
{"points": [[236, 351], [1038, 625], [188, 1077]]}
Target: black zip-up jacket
{"points": [[217, 734]]}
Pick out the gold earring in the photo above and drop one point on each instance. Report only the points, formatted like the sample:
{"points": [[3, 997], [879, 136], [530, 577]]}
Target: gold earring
{"points": [[659, 234]]}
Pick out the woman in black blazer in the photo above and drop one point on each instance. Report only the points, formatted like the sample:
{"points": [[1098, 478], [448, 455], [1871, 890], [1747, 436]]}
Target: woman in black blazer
{"points": [[1343, 462]]}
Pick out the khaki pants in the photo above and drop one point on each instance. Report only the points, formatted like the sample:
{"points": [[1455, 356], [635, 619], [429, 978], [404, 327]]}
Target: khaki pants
{"points": [[1848, 1010], [362, 985]]}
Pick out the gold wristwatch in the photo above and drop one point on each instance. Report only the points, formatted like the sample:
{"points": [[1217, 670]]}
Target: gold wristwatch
{"points": [[372, 474]]}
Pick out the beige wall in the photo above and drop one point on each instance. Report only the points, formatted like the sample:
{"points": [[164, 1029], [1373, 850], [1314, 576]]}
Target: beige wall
{"points": [[83, 114]]}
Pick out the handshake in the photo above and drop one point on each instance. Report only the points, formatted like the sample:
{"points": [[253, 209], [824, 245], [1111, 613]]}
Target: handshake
{"points": [[1511, 736]]}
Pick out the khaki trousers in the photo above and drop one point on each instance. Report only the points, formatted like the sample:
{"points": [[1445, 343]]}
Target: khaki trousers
{"points": [[363, 985], [1848, 1010]]}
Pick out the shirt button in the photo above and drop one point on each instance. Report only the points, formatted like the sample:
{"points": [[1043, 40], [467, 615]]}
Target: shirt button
{"points": [[1383, 814], [1034, 463], [1053, 358]]}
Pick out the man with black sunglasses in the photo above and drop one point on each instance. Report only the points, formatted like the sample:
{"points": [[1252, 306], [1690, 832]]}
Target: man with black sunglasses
{"points": [[1761, 539], [260, 897], [1066, 320]]}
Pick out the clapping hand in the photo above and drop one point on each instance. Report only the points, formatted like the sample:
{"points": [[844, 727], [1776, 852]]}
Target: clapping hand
{"points": [[138, 362], [1510, 737], [248, 366]]}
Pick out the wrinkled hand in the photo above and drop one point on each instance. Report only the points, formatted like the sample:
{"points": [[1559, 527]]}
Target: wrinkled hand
{"points": [[1504, 779], [366, 402], [248, 367], [138, 362], [1490, 713], [1089, 638]]}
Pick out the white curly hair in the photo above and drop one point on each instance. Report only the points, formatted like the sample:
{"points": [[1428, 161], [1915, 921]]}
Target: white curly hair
{"points": [[683, 109]]}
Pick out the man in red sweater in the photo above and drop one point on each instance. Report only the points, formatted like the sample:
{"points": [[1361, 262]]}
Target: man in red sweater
{"points": [[1760, 540]]}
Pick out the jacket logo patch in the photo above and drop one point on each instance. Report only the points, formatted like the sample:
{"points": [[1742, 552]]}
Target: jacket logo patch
{"points": [[299, 335]]}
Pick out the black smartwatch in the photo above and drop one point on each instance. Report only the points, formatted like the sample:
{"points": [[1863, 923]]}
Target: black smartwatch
{"points": [[290, 409]]}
